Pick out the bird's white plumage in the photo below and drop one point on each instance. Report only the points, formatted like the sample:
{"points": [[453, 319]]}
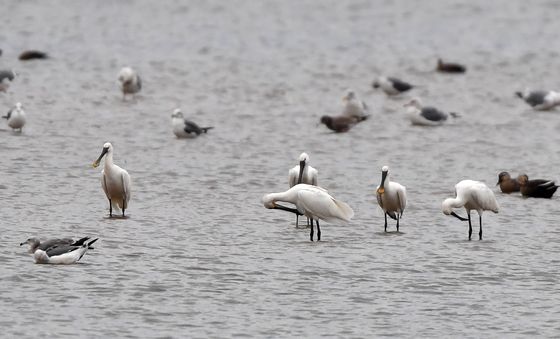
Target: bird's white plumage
{"points": [[129, 81], [312, 201], [17, 117], [414, 114], [472, 195], [309, 175], [393, 198], [178, 124], [115, 181], [386, 86], [353, 106], [68, 258]]}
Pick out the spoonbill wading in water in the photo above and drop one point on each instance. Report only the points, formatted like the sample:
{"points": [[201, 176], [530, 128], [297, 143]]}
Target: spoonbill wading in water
{"points": [[472, 195], [114, 180], [391, 197], [302, 174], [312, 201]]}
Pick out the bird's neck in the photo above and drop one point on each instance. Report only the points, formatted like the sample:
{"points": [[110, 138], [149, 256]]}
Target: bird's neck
{"points": [[108, 161]]}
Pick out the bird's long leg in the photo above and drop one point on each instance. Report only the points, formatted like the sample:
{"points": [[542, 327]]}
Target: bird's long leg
{"points": [[398, 219], [385, 222], [110, 209], [318, 230], [297, 220], [480, 232], [311, 233], [470, 226], [124, 205]]}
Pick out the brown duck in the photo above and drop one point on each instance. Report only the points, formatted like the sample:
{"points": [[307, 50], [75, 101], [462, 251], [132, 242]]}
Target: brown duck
{"points": [[537, 188], [507, 184], [341, 123], [449, 67]]}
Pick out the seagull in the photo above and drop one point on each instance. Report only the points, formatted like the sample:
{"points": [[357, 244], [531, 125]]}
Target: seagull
{"points": [[63, 254], [5, 78], [425, 115], [184, 128], [540, 100], [472, 195], [391, 197], [392, 86], [354, 107], [312, 201], [536, 188], [114, 180], [507, 183], [129, 81], [35, 243], [16, 117], [33, 54], [340, 123], [302, 174], [449, 67]]}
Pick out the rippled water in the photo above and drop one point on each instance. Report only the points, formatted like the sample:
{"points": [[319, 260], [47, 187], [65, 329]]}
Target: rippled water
{"points": [[199, 256]]}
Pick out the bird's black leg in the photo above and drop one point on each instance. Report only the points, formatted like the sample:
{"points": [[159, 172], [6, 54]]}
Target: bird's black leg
{"points": [[311, 233], [470, 226], [297, 220], [398, 219], [480, 232], [318, 230], [385, 222], [110, 209]]}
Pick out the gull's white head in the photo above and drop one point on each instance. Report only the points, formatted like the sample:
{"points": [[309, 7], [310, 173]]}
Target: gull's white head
{"points": [[303, 157], [415, 102], [33, 244], [177, 114], [107, 149], [380, 80], [19, 106], [126, 75], [350, 95]]}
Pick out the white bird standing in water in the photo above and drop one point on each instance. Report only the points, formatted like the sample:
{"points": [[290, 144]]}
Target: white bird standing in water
{"points": [[114, 180], [63, 254], [312, 201], [391, 197], [472, 195], [129, 81], [302, 174], [354, 107], [16, 117]]}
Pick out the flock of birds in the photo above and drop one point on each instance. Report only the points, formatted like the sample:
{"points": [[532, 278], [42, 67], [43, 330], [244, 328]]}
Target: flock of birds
{"points": [[309, 199]]}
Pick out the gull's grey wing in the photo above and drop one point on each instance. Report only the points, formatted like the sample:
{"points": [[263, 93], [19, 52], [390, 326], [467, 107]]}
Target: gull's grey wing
{"points": [[433, 114], [58, 250], [400, 85], [536, 98], [191, 127], [51, 243], [6, 75]]}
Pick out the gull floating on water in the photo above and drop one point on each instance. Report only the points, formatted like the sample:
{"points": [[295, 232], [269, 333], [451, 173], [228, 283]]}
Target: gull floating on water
{"points": [[33, 54], [391, 197], [507, 183], [184, 128], [114, 180], [302, 174], [354, 107], [5, 78], [312, 201], [450, 67], [392, 86], [129, 81], [540, 100], [425, 115], [472, 195], [16, 117], [63, 254], [536, 188]]}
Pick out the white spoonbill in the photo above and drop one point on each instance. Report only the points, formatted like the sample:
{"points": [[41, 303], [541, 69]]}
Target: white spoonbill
{"points": [[114, 180], [63, 254], [472, 195], [16, 117], [302, 174], [391, 197], [312, 201], [129, 81]]}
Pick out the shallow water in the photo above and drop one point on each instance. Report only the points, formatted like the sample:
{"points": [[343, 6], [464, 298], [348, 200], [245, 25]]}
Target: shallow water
{"points": [[199, 256]]}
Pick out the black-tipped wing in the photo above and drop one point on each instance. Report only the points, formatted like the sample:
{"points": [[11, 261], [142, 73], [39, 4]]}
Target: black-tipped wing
{"points": [[51, 243], [536, 98], [59, 250], [433, 114], [191, 127], [400, 85]]}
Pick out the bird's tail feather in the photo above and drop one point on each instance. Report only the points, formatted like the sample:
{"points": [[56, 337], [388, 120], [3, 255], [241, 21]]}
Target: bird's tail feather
{"points": [[205, 129]]}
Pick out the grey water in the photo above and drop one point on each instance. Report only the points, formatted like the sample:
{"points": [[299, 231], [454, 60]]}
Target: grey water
{"points": [[199, 256]]}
